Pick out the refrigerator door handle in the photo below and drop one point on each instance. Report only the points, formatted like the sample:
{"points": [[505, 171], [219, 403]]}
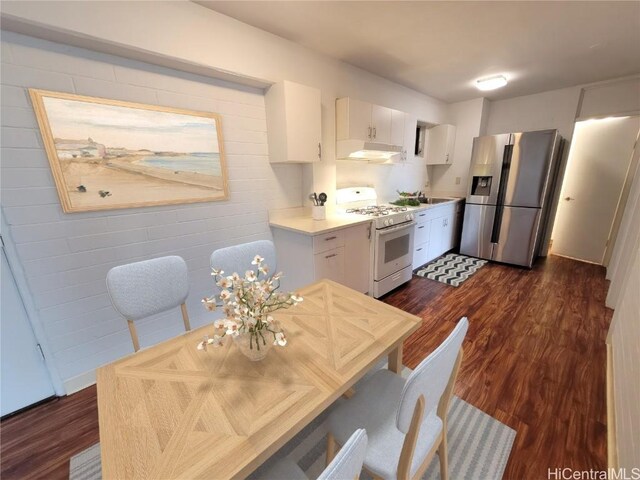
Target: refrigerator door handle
{"points": [[504, 176], [497, 224]]}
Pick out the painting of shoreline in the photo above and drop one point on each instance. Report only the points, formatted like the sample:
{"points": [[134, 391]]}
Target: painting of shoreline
{"points": [[107, 154]]}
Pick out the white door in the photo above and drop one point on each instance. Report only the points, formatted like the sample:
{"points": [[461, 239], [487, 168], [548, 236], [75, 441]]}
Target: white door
{"points": [[25, 379], [597, 166]]}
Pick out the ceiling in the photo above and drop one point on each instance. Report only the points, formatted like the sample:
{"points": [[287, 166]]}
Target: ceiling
{"points": [[440, 48]]}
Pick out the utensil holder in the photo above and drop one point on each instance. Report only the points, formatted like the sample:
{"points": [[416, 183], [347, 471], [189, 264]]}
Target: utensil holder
{"points": [[318, 212]]}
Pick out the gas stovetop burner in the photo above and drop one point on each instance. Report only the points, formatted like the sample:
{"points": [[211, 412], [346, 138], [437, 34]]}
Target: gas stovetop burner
{"points": [[377, 210]]}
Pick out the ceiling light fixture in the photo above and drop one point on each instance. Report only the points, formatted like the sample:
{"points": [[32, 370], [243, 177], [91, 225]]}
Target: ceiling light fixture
{"points": [[491, 83]]}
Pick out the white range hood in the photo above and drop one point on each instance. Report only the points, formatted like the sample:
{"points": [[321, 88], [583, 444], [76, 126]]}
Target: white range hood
{"points": [[364, 150]]}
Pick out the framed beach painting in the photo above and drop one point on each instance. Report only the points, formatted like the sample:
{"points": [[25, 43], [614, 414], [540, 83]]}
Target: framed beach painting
{"points": [[108, 154]]}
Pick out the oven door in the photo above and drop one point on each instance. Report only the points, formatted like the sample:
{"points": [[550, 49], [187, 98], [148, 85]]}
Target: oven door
{"points": [[394, 249]]}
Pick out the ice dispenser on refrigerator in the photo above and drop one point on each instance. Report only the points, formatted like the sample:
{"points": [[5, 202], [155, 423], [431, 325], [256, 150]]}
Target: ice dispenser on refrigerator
{"points": [[509, 196]]}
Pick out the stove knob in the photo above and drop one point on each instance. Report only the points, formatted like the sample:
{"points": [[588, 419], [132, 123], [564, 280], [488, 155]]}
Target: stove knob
{"points": [[386, 223], [412, 216], [408, 216], [391, 221]]}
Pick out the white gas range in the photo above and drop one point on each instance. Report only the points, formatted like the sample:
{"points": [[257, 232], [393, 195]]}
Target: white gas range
{"points": [[393, 238]]}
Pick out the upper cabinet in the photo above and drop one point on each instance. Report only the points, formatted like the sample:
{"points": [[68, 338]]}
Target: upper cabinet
{"points": [[353, 120], [398, 120], [358, 120], [293, 123], [440, 144]]}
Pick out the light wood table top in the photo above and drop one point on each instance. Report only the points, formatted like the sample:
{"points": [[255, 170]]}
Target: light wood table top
{"points": [[171, 411]]}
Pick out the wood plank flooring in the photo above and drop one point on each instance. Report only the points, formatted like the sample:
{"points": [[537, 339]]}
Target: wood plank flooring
{"points": [[535, 355], [534, 359]]}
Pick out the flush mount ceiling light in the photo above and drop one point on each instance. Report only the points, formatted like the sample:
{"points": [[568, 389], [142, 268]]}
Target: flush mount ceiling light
{"points": [[491, 83]]}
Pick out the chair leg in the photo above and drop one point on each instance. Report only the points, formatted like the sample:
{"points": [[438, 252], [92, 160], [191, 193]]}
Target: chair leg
{"points": [[442, 455], [185, 317], [331, 447], [349, 393], [134, 335]]}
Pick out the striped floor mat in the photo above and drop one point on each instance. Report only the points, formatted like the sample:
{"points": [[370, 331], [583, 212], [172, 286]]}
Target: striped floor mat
{"points": [[452, 269], [479, 446]]}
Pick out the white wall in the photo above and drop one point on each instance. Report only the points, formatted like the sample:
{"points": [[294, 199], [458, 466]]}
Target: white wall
{"points": [[65, 257], [469, 118], [553, 109], [199, 36], [626, 358], [624, 331], [617, 97]]}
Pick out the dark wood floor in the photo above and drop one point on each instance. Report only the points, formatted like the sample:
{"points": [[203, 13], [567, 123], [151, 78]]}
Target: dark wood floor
{"points": [[534, 359], [535, 356]]}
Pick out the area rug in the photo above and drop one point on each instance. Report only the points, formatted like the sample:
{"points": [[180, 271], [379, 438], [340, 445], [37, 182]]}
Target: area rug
{"points": [[479, 447], [452, 269]]}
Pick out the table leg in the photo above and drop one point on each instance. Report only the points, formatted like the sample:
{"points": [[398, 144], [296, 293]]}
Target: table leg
{"points": [[395, 360]]}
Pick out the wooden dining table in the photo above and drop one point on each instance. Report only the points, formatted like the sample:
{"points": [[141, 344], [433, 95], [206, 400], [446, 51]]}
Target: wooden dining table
{"points": [[172, 411]]}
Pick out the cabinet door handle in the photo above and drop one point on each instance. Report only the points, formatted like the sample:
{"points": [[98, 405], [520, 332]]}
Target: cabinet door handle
{"points": [[418, 249], [447, 158], [319, 150], [332, 255], [422, 214], [369, 233], [374, 132], [421, 226], [330, 238], [369, 136]]}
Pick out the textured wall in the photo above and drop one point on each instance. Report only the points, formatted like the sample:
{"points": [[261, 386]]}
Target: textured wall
{"points": [[65, 257]]}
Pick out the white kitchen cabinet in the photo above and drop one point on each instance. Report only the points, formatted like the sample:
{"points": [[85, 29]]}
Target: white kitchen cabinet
{"points": [[353, 119], [421, 238], [343, 255], [437, 232], [357, 259], [358, 120], [440, 145], [330, 264], [294, 129], [398, 127], [440, 240], [381, 124]]}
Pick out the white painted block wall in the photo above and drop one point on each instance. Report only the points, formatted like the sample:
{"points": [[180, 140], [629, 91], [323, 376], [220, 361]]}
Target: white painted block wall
{"points": [[66, 257]]}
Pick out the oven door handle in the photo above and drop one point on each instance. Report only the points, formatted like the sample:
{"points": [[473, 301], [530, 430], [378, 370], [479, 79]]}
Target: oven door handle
{"points": [[388, 230]]}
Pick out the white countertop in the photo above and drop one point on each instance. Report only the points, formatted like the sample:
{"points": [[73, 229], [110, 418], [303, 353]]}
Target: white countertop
{"points": [[299, 219]]}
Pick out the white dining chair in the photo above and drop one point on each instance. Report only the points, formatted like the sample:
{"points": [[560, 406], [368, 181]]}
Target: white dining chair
{"points": [[406, 420], [238, 258], [141, 289], [346, 465]]}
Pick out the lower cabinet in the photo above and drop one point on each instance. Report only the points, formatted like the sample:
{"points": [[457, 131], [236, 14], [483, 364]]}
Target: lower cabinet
{"points": [[343, 256], [437, 232], [330, 265]]}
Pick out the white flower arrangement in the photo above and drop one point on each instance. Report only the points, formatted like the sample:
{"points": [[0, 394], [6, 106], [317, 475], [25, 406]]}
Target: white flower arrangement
{"points": [[247, 303]]}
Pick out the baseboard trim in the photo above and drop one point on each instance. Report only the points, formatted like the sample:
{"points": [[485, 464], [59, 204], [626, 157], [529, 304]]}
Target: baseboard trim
{"points": [[612, 445], [80, 382]]}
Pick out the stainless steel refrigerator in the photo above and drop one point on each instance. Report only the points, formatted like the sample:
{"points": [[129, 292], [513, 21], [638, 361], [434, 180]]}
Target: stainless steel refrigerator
{"points": [[511, 184]]}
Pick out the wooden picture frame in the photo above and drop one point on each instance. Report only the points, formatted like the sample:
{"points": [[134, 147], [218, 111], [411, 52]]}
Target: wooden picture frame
{"points": [[110, 154]]}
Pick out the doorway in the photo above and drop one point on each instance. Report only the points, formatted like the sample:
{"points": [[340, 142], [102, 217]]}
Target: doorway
{"points": [[25, 378], [597, 169]]}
